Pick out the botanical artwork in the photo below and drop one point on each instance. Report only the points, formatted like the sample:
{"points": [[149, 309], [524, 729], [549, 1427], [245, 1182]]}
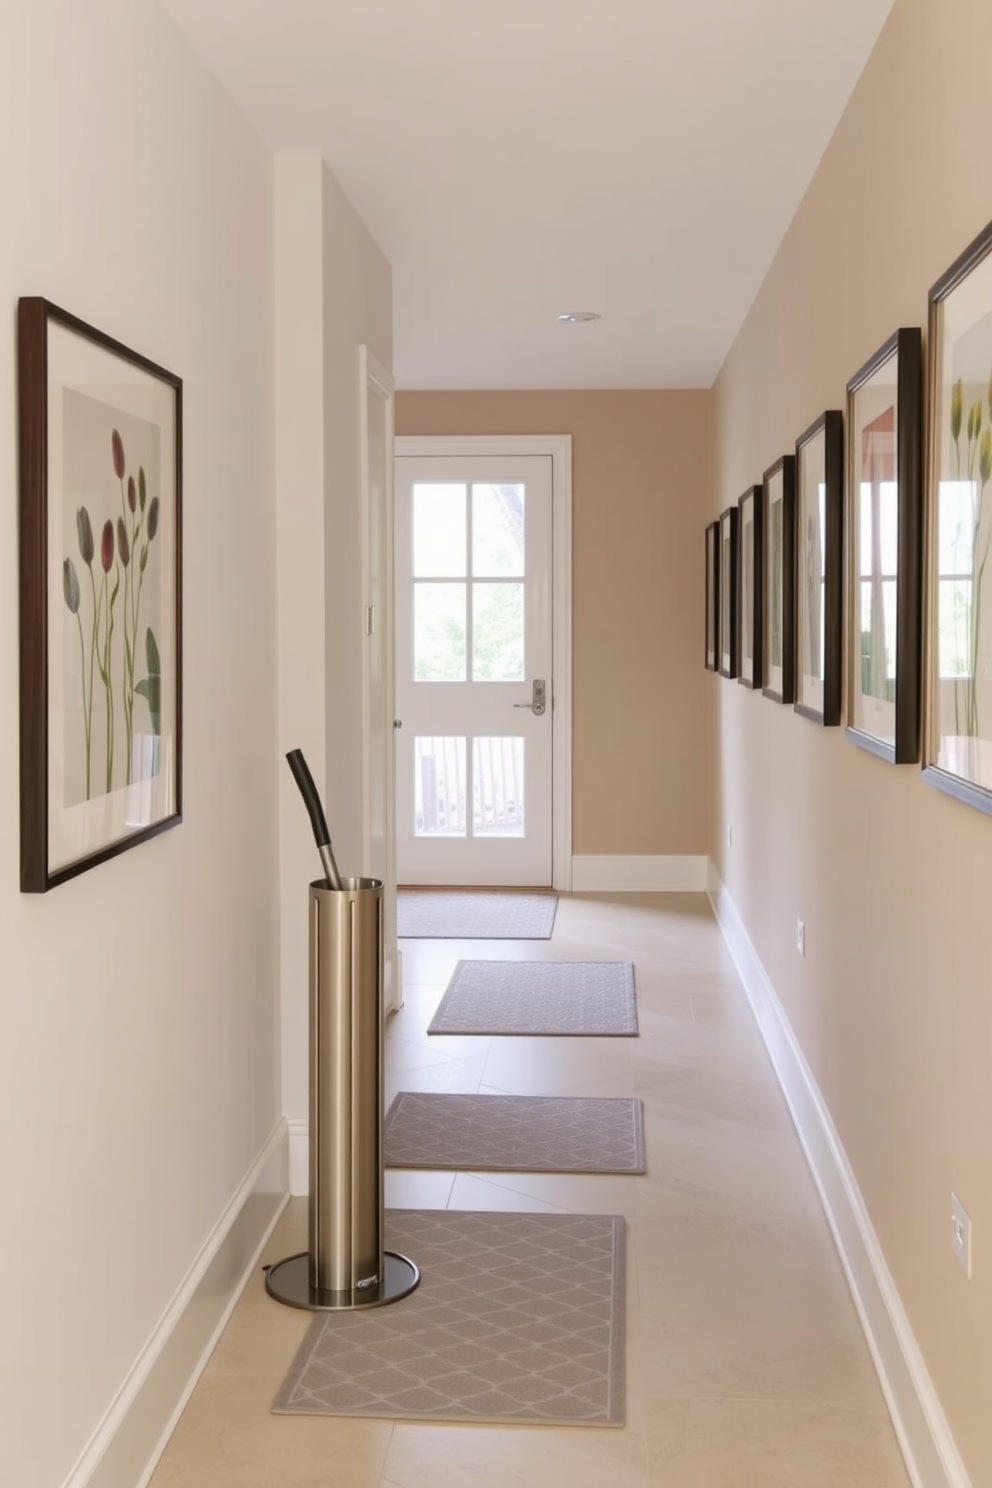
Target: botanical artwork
{"points": [[961, 526], [100, 537], [111, 583]]}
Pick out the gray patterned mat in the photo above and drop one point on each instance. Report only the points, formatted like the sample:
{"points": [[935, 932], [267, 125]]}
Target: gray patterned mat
{"points": [[595, 998], [474, 914], [518, 1317], [515, 1133]]}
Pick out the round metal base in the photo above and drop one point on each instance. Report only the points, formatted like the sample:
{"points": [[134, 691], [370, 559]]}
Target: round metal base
{"points": [[289, 1281]]}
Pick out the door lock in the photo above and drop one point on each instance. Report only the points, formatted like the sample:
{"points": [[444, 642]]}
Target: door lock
{"points": [[539, 698]]}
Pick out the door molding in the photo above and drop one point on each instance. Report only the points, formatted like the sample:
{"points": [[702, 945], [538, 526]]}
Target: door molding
{"points": [[558, 447], [376, 467]]}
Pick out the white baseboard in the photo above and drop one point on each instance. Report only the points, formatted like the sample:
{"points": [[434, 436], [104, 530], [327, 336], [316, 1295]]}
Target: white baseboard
{"points": [[932, 1457], [640, 874], [132, 1435]]}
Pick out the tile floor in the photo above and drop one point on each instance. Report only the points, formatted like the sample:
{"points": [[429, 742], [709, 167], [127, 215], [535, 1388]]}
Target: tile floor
{"points": [[746, 1365]]}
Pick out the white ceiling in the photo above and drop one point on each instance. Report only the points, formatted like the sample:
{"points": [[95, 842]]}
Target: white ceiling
{"points": [[641, 158]]}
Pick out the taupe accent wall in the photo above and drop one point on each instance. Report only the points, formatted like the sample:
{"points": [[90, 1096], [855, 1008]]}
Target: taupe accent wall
{"points": [[893, 1003], [641, 474]]}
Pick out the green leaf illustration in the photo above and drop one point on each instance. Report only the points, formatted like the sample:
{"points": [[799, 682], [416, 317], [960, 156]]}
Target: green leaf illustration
{"points": [[151, 653], [150, 687]]}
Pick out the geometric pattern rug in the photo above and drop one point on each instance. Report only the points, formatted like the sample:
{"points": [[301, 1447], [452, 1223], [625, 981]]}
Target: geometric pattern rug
{"points": [[480, 914], [515, 1133], [517, 1318], [593, 998]]}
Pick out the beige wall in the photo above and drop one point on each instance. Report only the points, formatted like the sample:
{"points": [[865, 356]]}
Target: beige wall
{"points": [[333, 294], [640, 474], [139, 1002], [893, 1004]]}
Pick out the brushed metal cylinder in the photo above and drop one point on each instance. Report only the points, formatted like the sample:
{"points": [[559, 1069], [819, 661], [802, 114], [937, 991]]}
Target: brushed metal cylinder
{"points": [[346, 1168]]}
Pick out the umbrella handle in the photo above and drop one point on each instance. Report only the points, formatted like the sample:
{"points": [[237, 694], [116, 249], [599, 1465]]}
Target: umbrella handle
{"points": [[318, 821]]}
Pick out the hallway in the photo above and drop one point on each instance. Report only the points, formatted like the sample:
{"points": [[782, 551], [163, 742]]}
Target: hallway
{"points": [[746, 1365]]}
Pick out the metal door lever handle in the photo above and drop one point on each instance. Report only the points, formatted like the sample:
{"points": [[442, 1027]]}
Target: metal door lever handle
{"points": [[539, 697]]}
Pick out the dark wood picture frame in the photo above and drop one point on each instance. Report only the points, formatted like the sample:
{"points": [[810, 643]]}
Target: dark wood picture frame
{"points": [[727, 634], [884, 468], [957, 734], [712, 624], [778, 566], [749, 608], [100, 572], [820, 569]]}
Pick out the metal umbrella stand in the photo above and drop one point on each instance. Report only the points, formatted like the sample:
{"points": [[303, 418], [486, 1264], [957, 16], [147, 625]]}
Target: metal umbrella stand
{"points": [[346, 1266]]}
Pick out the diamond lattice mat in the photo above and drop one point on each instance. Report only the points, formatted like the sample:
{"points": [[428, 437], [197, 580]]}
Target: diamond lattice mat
{"points": [[515, 1133], [474, 914], [518, 1317], [539, 997]]}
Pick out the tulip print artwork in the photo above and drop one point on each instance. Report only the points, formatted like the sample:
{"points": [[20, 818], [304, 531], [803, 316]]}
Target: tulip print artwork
{"points": [[113, 595]]}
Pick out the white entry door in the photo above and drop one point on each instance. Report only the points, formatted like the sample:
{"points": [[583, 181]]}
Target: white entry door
{"points": [[474, 690]]}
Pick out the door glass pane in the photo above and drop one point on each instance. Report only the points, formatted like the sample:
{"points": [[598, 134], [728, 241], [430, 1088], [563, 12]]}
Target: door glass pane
{"points": [[439, 633], [439, 545], [439, 787], [497, 632], [498, 531], [498, 787]]}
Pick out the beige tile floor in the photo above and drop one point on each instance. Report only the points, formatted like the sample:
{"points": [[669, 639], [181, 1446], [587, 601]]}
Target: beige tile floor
{"points": [[746, 1365]]}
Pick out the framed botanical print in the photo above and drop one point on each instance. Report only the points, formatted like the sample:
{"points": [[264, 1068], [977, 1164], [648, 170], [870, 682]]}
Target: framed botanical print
{"points": [[819, 568], [777, 581], [712, 623], [100, 538], [728, 593], [749, 588], [958, 728], [883, 524]]}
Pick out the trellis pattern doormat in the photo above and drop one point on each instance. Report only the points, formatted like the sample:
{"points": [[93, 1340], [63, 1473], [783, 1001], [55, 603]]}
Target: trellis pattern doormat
{"points": [[474, 914], [515, 1133], [593, 998], [518, 1317]]}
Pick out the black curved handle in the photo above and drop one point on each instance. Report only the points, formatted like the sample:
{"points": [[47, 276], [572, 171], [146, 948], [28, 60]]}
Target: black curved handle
{"points": [[311, 798]]}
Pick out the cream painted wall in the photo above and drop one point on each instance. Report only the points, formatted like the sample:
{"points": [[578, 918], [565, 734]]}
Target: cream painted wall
{"points": [[641, 472], [893, 1004], [138, 1003], [333, 293]]}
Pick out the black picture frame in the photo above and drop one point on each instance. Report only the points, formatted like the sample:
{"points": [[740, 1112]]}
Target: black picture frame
{"points": [[712, 619], [820, 569], [100, 576], [749, 556], [957, 732], [778, 547], [884, 574], [727, 636]]}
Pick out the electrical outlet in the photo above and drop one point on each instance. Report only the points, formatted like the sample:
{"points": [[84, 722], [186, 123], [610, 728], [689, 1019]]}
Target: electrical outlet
{"points": [[961, 1234], [801, 938]]}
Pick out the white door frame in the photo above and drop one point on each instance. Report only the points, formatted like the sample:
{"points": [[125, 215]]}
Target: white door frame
{"points": [[559, 448], [375, 385]]}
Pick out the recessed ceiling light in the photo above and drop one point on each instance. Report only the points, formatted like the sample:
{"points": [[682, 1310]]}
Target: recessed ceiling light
{"points": [[577, 317]]}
